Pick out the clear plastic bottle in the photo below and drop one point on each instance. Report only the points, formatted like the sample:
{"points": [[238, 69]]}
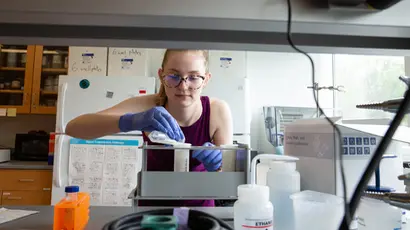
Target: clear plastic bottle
{"points": [[71, 196], [71, 193], [253, 210]]}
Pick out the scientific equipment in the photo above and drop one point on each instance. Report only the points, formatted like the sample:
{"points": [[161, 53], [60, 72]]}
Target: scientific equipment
{"points": [[390, 105], [72, 212], [315, 210], [275, 119], [283, 180], [253, 210], [157, 185], [313, 142]]}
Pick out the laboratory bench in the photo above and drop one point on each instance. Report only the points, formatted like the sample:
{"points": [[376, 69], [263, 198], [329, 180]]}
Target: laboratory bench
{"points": [[99, 216], [25, 183]]}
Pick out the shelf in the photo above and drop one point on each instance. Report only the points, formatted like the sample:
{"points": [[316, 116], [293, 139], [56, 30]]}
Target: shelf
{"points": [[13, 68], [11, 91], [44, 92], [45, 110], [52, 70]]}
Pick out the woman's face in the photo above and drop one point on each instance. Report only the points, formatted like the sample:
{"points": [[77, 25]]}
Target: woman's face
{"points": [[190, 67]]}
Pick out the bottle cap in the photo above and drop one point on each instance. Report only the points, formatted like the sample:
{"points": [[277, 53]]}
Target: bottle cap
{"points": [[71, 189], [253, 192]]}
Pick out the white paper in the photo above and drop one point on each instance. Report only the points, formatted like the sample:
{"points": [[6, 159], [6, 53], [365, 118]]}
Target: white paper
{"points": [[7, 215], [107, 170]]}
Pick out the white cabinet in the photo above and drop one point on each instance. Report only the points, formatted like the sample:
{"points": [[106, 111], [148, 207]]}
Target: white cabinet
{"points": [[127, 62], [227, 63], [87, 61]]}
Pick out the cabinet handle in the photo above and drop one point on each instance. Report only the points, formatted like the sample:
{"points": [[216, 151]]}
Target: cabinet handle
{"points": [[14, 198], [26, 180]]}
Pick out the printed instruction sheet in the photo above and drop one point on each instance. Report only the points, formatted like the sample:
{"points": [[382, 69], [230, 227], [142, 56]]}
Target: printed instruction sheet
{"points": [[106, 169]]}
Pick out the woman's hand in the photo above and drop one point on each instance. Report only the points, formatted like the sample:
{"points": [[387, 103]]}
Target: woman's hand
{"points": [[156, 118], [211, 158]]}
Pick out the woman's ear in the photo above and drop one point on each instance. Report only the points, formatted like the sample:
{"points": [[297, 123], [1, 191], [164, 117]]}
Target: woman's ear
{"points": [[160, 72], [207, 78]]}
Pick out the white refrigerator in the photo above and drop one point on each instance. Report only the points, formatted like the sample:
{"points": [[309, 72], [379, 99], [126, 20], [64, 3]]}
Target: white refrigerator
{"points": [[106, 167], [229, 83]]}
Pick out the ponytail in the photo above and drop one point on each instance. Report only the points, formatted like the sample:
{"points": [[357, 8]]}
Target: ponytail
{"points": [[161, 99]]}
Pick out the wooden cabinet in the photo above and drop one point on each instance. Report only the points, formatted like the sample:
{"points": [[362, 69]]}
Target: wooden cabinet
{"points": [[29, 77], [25, 187]]}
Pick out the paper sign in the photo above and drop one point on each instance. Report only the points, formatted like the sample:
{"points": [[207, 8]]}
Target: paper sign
{"points": [[11, 112], [3, 112]]}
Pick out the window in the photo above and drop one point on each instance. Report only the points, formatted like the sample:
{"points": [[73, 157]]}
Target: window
{"points": [[367, 79]]}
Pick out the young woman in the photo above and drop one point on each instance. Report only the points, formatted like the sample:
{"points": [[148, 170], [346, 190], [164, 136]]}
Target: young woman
{"points": [[178, 110]]}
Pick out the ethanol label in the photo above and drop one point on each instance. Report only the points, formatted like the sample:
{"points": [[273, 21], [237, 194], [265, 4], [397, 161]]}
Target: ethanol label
{"points": [[262, 224]]}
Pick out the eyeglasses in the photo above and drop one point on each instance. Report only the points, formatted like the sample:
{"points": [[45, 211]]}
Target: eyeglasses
{"points": [[193, 81]]}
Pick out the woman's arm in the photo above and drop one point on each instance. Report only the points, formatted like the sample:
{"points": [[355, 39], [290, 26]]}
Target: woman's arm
{"points": [[105, 122], [221, 123]]}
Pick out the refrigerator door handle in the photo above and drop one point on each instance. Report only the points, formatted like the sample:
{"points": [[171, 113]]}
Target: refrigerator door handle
{"points": [[57, 161], [61, 103]]}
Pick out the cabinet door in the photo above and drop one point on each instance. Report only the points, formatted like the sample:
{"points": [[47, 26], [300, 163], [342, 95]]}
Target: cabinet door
{"points": [[16, 74], [50, 62]]}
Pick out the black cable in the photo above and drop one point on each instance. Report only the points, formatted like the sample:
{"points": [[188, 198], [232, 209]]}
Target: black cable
{"points": [[337, 133], [375, 160], [196, 220]]}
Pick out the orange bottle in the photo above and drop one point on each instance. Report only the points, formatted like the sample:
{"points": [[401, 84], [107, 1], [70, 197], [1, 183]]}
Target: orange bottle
{"points": [[72, 212]]}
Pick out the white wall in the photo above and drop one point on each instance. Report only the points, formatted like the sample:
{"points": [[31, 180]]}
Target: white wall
{"points": [[281, 79]]}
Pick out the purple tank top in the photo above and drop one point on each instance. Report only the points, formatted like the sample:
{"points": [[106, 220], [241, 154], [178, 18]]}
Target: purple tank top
{"points": [[160, 160]]}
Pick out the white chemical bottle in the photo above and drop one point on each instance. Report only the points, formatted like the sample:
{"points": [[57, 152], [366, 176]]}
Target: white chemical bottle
{"points": [[283, 180], [253, 210]]}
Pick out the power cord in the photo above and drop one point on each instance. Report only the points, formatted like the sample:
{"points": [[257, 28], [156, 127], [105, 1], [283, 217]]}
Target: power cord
{"points": [[196, 220], [377, 157], [337, 134]]}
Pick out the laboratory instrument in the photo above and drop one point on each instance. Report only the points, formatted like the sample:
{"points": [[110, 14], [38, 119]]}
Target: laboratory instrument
{"points": [[72, 165], [391, 105], [157, 185], [253, 210], [312, 141]]}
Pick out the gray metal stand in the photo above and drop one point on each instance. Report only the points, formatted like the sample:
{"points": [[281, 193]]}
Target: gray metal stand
{"points": [[155, 185]]}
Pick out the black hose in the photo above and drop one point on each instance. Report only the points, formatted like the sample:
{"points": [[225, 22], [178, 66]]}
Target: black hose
{"points": [[196, 220]]}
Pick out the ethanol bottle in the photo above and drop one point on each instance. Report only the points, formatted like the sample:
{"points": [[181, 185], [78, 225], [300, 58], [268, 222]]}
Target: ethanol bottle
{"points": [[253, 210]]}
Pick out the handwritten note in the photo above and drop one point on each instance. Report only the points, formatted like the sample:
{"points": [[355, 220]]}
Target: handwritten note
{"points": [[126, 52], [113, 154]]}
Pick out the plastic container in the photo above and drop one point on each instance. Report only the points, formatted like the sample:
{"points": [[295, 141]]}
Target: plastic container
{"points": [[181, 157], [253, 210], [315, 210], [72, 212], [374, 214], [261, 170], [283, 180]]}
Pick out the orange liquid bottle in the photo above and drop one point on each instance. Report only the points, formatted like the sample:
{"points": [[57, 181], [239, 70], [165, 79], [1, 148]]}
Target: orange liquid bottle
{"points": [[72, 212]]}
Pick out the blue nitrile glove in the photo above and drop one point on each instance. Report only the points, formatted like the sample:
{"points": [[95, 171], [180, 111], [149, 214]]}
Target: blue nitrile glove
{"points": [[156, 118], [211, 158]]}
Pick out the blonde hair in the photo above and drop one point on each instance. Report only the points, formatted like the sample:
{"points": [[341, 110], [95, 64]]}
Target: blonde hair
{"points": [[162, 96]]}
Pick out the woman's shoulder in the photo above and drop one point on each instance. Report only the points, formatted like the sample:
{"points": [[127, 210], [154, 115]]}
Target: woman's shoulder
{"points": [[218, 104]]}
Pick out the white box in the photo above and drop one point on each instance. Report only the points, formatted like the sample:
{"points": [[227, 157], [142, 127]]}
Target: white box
{"points": [[87, 61], [127, 61], [227, 63]]}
